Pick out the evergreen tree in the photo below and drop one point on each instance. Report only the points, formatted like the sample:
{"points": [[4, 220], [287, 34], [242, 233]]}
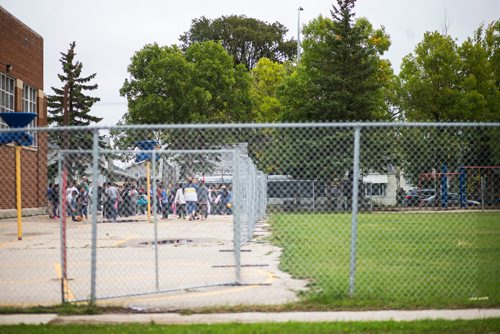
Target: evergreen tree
{"points": [[341, 70], [79, 104], [340, 77]]}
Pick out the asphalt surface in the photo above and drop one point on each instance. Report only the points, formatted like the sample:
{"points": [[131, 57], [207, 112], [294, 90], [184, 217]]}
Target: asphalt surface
{"points": [[194, 267]]}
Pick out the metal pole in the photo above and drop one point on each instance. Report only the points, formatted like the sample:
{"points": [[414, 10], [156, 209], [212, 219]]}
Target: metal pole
{"points": [[237, 204], [313, 199], [61, 228], [298, 33], [462, 187], [18, 194], [251, 193], [354, 224], [482, 193], [444, 186], [64, 213], [95, 176], [157, 282], [65, 145], [148, 189], [371, 197]]}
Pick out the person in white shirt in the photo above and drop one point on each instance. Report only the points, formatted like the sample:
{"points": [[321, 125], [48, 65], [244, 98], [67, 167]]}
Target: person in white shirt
{"points": [[71, 204], [180, 202], [73, 187], [190, 193]]}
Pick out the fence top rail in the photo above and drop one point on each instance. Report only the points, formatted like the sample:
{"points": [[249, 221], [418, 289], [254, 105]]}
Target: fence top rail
{"points": [[159, 152], [207, 126]]}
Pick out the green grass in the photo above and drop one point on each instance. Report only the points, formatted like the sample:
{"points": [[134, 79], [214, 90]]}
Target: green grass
{"points": [[404, 260], [62, 309], [439, 326]]}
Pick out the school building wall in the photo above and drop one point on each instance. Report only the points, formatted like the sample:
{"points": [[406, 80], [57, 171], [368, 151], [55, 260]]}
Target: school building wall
{"points": [[21, 59]]}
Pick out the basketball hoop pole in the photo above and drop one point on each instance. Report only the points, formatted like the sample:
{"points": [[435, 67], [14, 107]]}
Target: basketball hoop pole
{"points": [[18, 194], [20, 138], [147, 145]]}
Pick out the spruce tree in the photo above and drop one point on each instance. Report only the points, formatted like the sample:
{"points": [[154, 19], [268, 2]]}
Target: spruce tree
{"points": [[339, 78], [350, 79], [339, 71], [79, 104]]}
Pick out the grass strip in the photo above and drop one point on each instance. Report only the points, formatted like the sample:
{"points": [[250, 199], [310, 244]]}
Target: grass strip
{"points": [[392, 327]]}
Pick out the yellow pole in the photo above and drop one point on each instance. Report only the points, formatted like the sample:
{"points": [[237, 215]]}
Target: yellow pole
{"points": [[18, 193], [148, 186]]}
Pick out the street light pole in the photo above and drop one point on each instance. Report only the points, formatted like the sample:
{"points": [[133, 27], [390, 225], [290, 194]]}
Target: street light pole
{"points": [[298, 34]]}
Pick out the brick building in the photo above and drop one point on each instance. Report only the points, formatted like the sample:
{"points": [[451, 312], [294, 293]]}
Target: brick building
{"points": [[21, 89]]}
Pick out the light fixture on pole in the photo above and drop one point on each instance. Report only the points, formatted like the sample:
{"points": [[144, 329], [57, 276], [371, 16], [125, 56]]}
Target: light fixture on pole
{"points": [[298, 33]]}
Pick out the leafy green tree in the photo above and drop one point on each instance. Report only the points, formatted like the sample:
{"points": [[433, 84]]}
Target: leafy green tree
{"points": [[246, 39], [215, 74], [267, 76], [430, 80], [443, 81], [491, 42], [430, 92], [169, 86], [241, 103], [198, 85], [160, 87], [480, 100], [341, 74]]}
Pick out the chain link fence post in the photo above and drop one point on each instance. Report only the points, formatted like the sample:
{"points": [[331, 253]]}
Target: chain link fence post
{"points": [[61, 227], [157, 279], [237, 212], [354, 223], [95, 175]]}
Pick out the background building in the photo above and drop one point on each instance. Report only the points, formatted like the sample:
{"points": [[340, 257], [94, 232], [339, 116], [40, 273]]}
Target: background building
{"points": [[21, 89]]}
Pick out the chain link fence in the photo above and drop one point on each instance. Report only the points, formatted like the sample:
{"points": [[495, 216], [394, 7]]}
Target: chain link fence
{"points": [[399, 214]]}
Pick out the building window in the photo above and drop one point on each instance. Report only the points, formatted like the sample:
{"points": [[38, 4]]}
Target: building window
{"points": [[29, 105], [7, 88], [375, 189]]}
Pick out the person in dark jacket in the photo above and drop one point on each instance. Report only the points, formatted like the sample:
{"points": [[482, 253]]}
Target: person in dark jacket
{"points": [[55, 201]]}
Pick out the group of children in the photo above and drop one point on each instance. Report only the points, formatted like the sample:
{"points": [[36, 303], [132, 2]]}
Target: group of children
{"points": [[77, 200], [192, 200]]}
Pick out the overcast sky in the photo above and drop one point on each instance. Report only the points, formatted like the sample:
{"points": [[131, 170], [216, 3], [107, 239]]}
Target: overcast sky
{"points": [[109, 32]]}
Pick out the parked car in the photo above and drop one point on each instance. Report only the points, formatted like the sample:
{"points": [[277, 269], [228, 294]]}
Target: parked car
{"points": [[414, 197], [453, 200]]}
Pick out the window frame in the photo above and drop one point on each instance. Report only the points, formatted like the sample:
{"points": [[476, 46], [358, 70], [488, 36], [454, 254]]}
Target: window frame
{"points": [[376, 189], [7, 96], [30, 105]]}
